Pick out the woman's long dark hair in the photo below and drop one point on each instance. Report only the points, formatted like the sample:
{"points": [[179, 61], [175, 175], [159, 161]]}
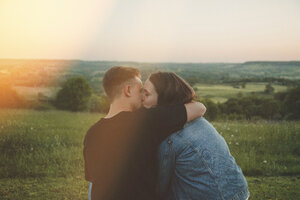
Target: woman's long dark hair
{"points": [[171, 89]]}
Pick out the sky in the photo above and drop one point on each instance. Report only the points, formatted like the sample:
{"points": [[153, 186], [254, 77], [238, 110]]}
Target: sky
{"points": [[151, 30]]}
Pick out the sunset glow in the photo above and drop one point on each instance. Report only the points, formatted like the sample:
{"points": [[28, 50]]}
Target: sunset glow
{"points": [[151, 30]]}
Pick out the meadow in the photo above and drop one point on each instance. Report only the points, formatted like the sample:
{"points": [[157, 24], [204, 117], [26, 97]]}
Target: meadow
{"points": [[31, 93], [222, 92], [41, 155]]}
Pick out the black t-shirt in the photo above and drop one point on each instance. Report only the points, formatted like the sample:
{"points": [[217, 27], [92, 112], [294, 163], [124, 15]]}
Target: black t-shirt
{"points": [[121, 152]]}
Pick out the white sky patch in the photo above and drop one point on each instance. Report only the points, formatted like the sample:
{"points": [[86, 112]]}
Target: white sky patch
{"points": [[151, 30]]}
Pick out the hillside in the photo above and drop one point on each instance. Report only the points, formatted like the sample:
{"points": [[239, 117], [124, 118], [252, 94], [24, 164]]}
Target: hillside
{"points": [[50, 73]]}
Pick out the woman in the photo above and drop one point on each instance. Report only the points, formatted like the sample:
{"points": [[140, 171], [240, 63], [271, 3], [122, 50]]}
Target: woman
{"points": [[194, 163]]}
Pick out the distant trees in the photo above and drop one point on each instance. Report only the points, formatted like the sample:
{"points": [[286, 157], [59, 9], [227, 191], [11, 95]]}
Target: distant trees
{"points": [[248, 108], [74, 94], [279, 81], [269, 109], [269, 89], [290, 101], [238, 84], [9, 98], [212, 109], [98, 104], [243, 84], [284, 106]]}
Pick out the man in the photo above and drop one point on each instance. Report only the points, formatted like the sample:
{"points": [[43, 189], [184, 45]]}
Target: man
{"points": [[120, 150]]}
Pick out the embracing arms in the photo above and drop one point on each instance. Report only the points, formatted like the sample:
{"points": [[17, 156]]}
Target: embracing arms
{"points": [[194, 110], [165, 120]]}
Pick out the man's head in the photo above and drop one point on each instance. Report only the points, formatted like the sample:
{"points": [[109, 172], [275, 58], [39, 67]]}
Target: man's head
{"points": [[123, 83]]}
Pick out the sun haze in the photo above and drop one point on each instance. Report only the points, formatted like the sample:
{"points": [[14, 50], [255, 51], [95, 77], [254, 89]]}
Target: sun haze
{"points": [[151, 30]]}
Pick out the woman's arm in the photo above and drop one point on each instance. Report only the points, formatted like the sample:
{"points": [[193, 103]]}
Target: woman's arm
{"points": [[166, 120]]}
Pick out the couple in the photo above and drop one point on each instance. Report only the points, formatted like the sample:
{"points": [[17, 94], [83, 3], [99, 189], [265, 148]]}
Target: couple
{"points": [[153, 145]]}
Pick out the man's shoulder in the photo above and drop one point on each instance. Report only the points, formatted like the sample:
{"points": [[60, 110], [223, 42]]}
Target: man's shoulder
{"points": [[109, 124], [94, 126], [141, 110], [91, 131], [141, 113]]}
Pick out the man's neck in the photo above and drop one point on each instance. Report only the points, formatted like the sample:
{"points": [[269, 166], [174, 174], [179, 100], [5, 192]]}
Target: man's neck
{"points": [[116, 107]]}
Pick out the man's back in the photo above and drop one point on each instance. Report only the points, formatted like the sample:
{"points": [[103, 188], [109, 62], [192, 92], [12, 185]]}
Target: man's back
{"points": [[110, 143], [120, 152]]}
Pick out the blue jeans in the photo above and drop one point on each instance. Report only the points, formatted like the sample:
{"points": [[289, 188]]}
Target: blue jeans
{"points": [[90, 191]]}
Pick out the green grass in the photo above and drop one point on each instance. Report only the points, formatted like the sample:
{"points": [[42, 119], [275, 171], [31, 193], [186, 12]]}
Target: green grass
{"points": [[280, 188], [42, 144], [276, 188], [43, 188], [263, 148], [41, 155], [220, 93]]}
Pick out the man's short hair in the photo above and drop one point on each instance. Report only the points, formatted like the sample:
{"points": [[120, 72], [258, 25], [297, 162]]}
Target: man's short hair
{"points": [[114, 79]]}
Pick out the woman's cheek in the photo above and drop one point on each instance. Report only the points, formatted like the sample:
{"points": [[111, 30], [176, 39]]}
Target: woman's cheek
{"points": [[151, 102], [148, 103], [145, 102]]}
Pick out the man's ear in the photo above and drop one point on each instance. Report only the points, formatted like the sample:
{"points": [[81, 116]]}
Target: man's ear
{"points": [[127, 91]]}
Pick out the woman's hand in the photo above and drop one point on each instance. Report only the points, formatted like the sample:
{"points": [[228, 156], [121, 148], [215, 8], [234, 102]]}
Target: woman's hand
{"points": [[194, 110]]}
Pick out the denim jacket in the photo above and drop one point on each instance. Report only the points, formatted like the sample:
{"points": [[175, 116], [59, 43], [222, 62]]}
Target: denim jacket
{"points": [[195, 163]]}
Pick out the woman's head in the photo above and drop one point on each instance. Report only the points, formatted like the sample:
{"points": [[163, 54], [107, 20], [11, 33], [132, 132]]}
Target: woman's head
{"points": [[166, 88]]}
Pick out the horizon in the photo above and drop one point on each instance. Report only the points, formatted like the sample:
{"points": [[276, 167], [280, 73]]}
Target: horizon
{"points": [[212, 62]]}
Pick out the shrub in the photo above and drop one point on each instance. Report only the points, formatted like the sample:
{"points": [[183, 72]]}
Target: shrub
{"points": [[74, 95], [98, 104]]}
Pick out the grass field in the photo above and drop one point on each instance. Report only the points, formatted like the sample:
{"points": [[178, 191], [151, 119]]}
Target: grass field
{"points": [[41, 155], [31, 93], [220, 93]]}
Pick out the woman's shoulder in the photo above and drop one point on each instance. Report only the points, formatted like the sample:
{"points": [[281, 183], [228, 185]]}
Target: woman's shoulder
{"points": [[193, 130], [196, 122], [198, 126]]}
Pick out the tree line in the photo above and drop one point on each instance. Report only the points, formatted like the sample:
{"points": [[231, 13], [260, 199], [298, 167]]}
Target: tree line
{"points": [[76, 94], [283, 106]]}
